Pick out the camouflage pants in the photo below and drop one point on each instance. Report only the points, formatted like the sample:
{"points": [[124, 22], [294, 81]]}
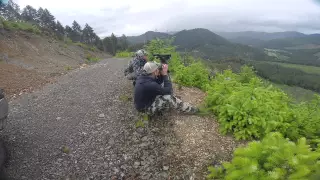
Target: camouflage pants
{"points": [[166, 102]]}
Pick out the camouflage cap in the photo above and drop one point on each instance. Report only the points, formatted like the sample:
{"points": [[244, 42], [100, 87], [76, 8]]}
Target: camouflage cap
{"points": [[150, 67]]}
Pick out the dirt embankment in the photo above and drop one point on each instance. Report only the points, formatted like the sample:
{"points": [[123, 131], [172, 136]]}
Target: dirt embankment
{"points": [[28, 61]]}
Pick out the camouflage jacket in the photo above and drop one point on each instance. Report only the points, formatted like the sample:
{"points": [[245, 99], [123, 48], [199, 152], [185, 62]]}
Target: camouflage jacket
{"points": [[135, 68]]}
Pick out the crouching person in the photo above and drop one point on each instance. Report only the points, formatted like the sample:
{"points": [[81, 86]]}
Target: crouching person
{"points": [[152, 98]]}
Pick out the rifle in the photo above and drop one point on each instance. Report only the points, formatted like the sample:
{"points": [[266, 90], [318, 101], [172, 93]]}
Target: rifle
{"points": [[164, 58]]}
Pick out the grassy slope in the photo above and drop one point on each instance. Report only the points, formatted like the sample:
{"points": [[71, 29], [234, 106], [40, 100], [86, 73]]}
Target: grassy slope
{"points": [[305, 68]]}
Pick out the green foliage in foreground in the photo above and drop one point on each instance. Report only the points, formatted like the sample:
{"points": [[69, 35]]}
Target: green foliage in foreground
{"points": [[23, 26], [273, 158], [195, 75], [249, 108], [124, 54], [245, 107]]}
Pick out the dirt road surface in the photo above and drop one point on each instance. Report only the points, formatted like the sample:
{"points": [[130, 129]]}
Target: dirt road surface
{"points": [[84, 126]]}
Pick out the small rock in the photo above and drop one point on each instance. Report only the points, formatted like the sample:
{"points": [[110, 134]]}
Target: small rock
{"points": [[166, 168], [145, 138], [164, 175], [155, 130], [143, 145], [58, 118], [143, 163], [136, 163], [115, 170], [101, 115]]}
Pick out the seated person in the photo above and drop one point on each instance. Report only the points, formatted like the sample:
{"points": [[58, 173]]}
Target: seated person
{"points": [[150, 97], [135, 66]]}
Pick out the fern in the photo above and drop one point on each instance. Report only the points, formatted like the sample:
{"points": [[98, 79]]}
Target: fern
{"points": [[272, 158]]}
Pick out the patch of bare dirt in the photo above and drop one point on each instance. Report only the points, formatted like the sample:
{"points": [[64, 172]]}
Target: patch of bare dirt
{"points": [[43, 54], [200, 142], [28, 61], [16, 80]]}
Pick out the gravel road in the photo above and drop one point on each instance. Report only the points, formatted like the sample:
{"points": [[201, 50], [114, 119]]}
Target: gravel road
{"points": [[82, 128]]}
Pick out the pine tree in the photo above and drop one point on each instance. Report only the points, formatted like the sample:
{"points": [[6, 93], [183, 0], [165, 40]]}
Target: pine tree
{"points": [[59, 30], [88, 35], [107, 45], [10, 11], [76, 32], [68, 31], [49, 20], [29, 14], [123, 43], [39, 18], [114, 42], [98, 43]]}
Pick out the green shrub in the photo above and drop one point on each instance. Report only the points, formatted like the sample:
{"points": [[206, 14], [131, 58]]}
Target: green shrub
{"points": [[305, 121], [175, 62], [274, 158], [245, 107], [195, 75], [91, 58], [68, 40], [124, 54]]}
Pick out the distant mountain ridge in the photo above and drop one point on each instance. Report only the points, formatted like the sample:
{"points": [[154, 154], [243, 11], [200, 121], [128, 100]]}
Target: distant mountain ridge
{"points": [[204, 43], [194, 38], [312, 39], [254, 38], [265, 36], [143, 38]]}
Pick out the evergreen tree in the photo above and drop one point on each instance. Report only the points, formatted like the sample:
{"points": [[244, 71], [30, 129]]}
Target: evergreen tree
{"points": [[39, 18], [114, 42], [59, 30], [10, 11], [98, 43], [123, 43], [107, 45], [88, 35], [48, 20], [68, 31], [29, 14], [76, 32]]}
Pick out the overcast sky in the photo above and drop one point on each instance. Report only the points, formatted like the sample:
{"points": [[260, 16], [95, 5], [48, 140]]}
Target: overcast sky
{"points": [[132, 17]]}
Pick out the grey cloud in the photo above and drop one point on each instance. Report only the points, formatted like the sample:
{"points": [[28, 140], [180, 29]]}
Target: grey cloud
{"points": [[222, 15]]}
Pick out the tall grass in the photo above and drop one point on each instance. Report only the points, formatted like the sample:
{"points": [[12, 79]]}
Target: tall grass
{"points": [[23, 26]]}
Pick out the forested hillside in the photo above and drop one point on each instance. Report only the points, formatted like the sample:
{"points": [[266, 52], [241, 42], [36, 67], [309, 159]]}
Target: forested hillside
{"points": [[256, 38], [144, 38], [41, 21]]}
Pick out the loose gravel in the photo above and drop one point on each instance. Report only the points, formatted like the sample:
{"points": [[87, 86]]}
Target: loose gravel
{"points": [[85, 127]]}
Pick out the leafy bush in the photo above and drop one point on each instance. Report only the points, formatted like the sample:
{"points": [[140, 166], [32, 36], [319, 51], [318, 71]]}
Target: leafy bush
{"points": [[245, 107], [195, 75], [273, 158], [305, 121], [91, 58], [68, 40], [124, 54]]}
